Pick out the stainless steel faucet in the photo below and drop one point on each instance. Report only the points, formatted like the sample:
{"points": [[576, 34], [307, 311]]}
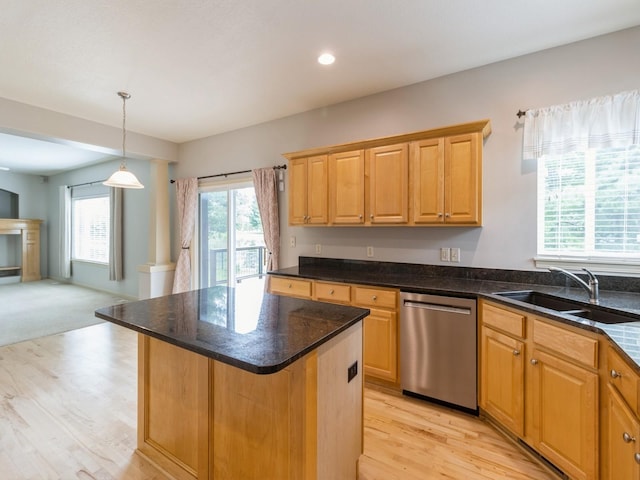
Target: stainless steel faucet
{"points": [[591, 287]]}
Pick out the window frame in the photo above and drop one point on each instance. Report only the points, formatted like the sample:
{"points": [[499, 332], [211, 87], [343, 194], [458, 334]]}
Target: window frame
{"points": [[81, 198], [227, 185], [617, 263]]}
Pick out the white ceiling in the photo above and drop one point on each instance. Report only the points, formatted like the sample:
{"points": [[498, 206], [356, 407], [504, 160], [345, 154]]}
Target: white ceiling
{"points": [[195, 68]]}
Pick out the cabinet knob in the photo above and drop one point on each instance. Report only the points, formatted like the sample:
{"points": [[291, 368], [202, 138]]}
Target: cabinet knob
{"points": [[447, 215], [290, 285], [360, 216], [374, 298], [628, 438], [615, 374], [371, 216], [533, 361], [636, 456], [439, 214], [331, 292], [516, 352]]}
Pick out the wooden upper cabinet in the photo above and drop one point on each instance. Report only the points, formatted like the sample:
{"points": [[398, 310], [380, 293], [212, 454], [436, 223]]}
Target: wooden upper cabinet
{"points": [[346, 188], [308, 191], [446, 180], [431, 177], [387, 170], [463, 179], [427, 181]]}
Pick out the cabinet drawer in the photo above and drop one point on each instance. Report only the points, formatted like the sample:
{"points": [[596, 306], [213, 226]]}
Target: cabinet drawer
{"points": [[501, 319], [290, 286], [375, 297], [573, 345], [333, 292], [623, 377]]}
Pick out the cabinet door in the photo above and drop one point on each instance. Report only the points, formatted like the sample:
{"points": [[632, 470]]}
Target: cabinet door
{"points": [[427, 181], [623, 439], [380, 345], [502, 379], [564, 399], [298, 191], [317, 190], [388, 173], [462, 179], [346, 173]]}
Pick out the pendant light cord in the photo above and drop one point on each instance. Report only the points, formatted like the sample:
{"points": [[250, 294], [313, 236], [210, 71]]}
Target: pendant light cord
{"points": [[125, 96]]}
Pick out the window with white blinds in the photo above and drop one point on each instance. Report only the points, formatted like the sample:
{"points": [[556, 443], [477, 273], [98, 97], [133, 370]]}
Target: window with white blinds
{"points": [[90, 227], [589, 204]]}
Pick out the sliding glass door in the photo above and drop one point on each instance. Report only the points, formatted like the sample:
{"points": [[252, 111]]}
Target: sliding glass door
{"points": [[231, 239]]}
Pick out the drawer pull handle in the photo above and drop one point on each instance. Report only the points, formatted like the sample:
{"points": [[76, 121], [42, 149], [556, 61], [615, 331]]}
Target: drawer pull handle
{"points": [[628, 438], [636, 456], [516, 352], [615, 374], [331, 292], [534, 361]]}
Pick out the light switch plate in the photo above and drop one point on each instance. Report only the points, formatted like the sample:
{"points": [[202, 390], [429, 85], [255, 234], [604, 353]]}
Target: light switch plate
{"points": [[455, 255], [445, 254]]}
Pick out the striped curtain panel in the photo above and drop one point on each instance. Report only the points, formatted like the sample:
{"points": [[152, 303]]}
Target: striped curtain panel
{"points": [[266, 187], [187, 199]]}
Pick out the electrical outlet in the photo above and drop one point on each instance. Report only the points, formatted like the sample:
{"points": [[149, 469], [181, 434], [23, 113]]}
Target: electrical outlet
{"points": [[455, 255], [318, 248], [445, 254], [352, 371], [369, 251], [292, 241]]}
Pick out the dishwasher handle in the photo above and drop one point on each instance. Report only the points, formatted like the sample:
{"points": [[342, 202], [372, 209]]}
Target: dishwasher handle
{"points": [[437, 308]]}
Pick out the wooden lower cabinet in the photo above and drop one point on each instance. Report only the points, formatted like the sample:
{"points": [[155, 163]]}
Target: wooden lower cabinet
{"points": [[540, 380], [380, 345], [502, 374], [564, 405], [622, 448], [203, 419], [380, 327]]}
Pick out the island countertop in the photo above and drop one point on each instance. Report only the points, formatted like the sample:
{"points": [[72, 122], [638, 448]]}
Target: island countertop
{"points": [[249, 329]]}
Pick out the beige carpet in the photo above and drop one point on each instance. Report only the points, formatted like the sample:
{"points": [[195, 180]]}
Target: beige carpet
{"points": [[37, 309]]}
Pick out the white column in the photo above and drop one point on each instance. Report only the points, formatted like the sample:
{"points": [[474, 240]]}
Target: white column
{"points": [[155, 278]]}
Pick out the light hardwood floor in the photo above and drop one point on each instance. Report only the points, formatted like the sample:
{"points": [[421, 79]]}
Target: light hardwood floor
{"points": [[68, 411]]}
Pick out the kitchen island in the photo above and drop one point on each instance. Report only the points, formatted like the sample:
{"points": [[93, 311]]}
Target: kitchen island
{"points": [[237, 384]]}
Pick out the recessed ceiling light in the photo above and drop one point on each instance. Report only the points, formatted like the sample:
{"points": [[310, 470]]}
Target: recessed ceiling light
{"points": [[326, 59]]}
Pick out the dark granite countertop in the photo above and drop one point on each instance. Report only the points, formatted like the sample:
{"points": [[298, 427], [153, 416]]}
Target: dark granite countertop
{"points": [[623, 293], [246, 328]]}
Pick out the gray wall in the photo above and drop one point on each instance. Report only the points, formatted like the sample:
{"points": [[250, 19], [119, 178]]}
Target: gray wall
{"points": [[135, 231], [598, 66]]}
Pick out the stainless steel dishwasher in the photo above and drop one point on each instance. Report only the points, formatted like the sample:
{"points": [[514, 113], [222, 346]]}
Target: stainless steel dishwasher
{"points": [[438, 349]]}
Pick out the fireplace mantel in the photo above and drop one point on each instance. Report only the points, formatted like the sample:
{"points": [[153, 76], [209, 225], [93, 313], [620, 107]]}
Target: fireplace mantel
{"points": [[29, 230]]}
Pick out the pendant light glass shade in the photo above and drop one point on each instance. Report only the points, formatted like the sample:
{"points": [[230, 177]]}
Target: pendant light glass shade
{"points": [[123, 178]]}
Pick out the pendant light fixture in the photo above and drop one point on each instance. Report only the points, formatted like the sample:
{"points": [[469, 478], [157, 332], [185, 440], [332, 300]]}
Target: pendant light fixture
{"points": [[123, 178]]}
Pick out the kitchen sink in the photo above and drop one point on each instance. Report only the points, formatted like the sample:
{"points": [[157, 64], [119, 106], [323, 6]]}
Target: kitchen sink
{"points": [[566, 306]]}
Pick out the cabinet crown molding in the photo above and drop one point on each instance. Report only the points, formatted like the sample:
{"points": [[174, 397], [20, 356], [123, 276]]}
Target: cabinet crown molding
{"points": [[483, 126]]}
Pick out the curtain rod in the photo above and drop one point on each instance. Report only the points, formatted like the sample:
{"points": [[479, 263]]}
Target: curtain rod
{"points": [[276, 167], [521, 113], [86, 183]]}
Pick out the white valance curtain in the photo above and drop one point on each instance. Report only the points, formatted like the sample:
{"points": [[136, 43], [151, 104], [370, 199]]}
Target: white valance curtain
{"points": [[265, 185], [65, 232], [602, 122], [187, 199]]}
